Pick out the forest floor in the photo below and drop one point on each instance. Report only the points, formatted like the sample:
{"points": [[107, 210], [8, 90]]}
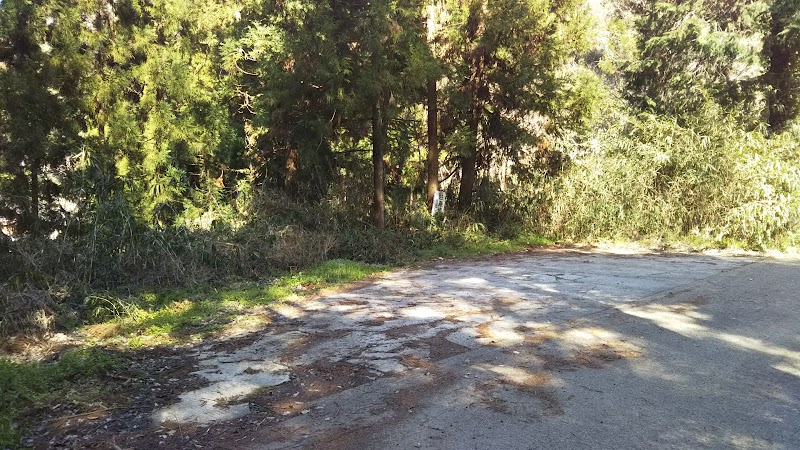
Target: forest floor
{"points": [[550, 348]]}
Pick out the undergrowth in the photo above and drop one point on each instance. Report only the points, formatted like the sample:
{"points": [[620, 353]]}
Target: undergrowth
{"points": [[76, 378], [702, 180], [115, 268], [167, 316], [148, 318]]}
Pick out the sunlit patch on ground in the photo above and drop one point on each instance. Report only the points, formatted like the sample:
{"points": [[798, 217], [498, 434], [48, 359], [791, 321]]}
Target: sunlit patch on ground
{"points": [[407, 321], [685, 319]]}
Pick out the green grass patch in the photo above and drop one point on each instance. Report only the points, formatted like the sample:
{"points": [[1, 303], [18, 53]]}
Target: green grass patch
{"points": [[171, 316], [27, 387]]}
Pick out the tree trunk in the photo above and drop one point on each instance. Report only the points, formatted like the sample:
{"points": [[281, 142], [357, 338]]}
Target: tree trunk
{"points": [[290, 178], [478, 91], [33, 217], [378, 140], [433, 141], [778, 79], [468, 173], [469, 164]]}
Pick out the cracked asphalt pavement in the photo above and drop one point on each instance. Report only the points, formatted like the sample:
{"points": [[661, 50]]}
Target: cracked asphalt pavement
{"points": [[546, 349]]}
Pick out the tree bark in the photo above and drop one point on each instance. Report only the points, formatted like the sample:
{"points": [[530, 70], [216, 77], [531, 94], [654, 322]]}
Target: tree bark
{"points": [[290, 177], [778, 78], [469, 164], [33, 218], [468, 173], [378, 140], [478, 91], [433, 141]]}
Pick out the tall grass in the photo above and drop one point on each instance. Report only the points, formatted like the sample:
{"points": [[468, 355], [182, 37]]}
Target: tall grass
{"points": [[705, 178], [81, 275]]}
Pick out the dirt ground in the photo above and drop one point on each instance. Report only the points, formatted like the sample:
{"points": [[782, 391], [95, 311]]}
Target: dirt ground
{"points": [[548, 349]]}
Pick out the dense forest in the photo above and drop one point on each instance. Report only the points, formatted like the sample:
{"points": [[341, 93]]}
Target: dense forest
{"points": [[163, 142]]}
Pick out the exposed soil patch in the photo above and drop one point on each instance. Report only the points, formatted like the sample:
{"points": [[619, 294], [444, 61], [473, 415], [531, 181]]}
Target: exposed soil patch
{"points": [[505, 302], [594, 357], [408, 330], [407, 400], [301, 346], [489, 398], [440, 347], [417, 363], [535, 384], [269, 407], [458, 316], [353, 302], [484, 330], [376, 322], [273, 327], [307, 384], [123, 420], [231, 344], [538, 337], [296, 349]]}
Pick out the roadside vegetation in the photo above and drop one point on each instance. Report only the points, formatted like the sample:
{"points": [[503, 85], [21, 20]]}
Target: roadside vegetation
{"points": [[170, 170]]}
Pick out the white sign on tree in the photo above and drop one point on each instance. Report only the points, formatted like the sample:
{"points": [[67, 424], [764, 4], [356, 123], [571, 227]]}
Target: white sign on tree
{"points": [[437, 209]]}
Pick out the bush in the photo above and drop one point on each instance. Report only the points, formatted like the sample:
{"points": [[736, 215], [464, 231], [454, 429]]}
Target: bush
{"points": [[29, 311], [89, 273], [651, 177]]}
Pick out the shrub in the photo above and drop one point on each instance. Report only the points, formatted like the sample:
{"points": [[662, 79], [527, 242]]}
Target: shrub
{"points": [[651, 177]]}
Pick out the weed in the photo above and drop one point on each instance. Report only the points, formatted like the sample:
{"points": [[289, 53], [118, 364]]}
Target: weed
{"points": [[169, 316], [706, 181], [26, 387]]}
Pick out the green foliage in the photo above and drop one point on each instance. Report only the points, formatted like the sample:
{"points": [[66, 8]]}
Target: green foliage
{"points": [[646, 177], [690, 55], [165, 316], [502, 61], [24, 387], [767, 208], [38, 109], [782, 51]]}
